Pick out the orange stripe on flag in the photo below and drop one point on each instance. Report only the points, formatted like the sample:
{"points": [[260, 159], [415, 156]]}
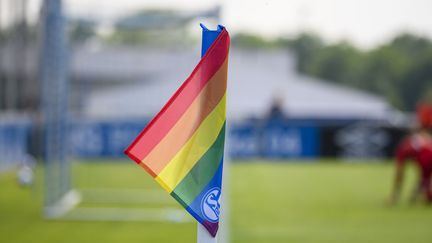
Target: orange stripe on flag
{"points": [[157, 129], [197, 145], [206, 101]]}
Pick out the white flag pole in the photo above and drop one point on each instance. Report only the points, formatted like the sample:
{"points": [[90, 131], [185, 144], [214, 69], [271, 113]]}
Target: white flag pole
{"points": [[223, 232], [208, 37]]}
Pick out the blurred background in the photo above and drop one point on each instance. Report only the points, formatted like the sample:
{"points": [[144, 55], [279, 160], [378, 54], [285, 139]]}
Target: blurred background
{"points": [[319, 95]]}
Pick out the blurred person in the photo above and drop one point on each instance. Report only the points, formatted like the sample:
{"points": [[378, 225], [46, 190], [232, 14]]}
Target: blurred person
{"points": [[418, 147], [276, 111]]}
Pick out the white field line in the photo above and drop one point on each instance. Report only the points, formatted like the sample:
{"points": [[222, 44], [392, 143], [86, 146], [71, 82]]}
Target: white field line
{"points": [[128, 214], [126, 196]]}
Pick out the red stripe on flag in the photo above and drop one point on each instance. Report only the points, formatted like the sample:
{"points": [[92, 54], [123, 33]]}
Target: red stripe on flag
{"points": [[181, 100]]}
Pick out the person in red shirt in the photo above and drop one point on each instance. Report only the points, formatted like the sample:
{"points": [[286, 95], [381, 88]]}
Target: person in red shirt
{"points": [[418, 147]]}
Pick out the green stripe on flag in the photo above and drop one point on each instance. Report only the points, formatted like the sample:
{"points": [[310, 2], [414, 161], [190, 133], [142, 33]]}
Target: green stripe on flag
{"points": [[199, 176]]}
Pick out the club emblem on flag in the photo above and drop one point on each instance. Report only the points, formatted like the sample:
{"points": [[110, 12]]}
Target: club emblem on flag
{"points": [[210, 205]]}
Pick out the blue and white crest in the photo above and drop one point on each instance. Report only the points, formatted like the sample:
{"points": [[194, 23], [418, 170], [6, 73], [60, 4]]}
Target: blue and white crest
{"points": [[210, 205]]}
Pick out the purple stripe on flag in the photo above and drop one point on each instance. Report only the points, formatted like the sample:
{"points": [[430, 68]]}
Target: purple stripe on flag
{"points": [[206, 206], [211, 227]]}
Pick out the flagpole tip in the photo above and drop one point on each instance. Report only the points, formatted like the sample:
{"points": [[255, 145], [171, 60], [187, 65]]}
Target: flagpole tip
{"points": [[218, 29], [203, 27]]}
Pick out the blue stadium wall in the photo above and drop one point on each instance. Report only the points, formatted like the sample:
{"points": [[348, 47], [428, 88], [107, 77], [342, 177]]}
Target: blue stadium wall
{"points": [[14, 141], [274, 139]]}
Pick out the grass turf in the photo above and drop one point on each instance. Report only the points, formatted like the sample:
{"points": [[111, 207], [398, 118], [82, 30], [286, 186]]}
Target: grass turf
{"points": [[269, 202]]}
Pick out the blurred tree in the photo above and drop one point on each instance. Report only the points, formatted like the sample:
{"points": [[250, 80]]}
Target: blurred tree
{"points": [[81, 31], [400, 71], [417, 82], [251, 41], [157, 27], [305, 47], [427, 96], [340, 63]]}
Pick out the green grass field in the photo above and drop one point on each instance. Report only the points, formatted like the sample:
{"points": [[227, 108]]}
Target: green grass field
{"points": [[270, 202]]}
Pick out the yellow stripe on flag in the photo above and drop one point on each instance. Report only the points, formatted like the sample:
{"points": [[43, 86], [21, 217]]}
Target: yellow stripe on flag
{"points": [[194, 148]]}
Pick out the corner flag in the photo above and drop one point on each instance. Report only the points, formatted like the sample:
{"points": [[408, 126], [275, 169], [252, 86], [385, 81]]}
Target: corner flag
{"points": [[183, 146]]}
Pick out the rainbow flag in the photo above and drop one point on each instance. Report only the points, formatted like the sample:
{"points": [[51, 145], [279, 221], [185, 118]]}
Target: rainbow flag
{"points": [[183, 146]]}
